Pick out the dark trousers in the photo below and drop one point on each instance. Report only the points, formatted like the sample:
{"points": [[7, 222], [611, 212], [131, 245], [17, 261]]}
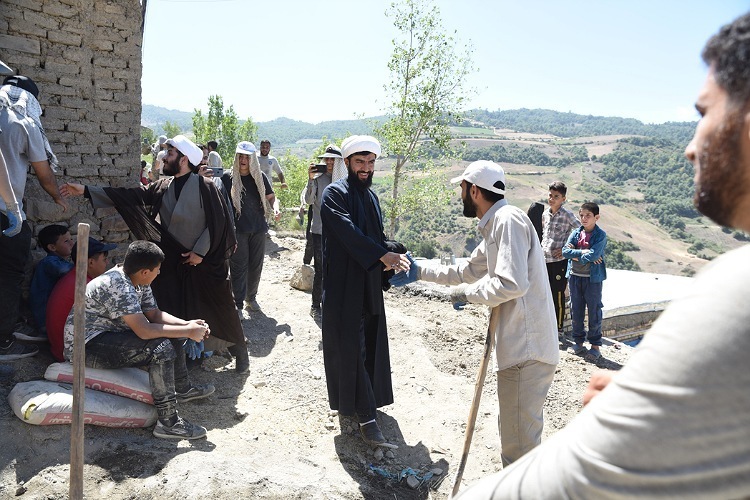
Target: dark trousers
{"points": [[364, 399], [164, 358], [307, 258], [245, 266], [586, 296], [317, 291], [14, 255], [557, 284]]}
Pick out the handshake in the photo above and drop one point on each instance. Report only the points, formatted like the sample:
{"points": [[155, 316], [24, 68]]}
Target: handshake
{"points": [[458, 294]]}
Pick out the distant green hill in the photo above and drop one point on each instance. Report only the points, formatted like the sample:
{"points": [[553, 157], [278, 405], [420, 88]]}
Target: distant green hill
{"points": [[545, 121], [281, 131]]}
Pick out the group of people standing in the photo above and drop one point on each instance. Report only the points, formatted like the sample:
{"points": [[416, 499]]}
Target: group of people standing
{"points": [[674, 422]]}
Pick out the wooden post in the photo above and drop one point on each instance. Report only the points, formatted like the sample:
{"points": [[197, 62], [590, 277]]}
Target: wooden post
{"points": [[477, 397], [79, 322]]}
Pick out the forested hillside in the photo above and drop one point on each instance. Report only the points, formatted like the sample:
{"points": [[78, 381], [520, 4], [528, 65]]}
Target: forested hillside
{"points": [[545, 121]]}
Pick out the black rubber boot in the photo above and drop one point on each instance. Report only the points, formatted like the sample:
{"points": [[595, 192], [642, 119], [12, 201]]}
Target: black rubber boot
{"points": [[241, 358]]}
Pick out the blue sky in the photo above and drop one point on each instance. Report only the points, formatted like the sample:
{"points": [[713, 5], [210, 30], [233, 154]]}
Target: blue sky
{"points": [[327, 59]]}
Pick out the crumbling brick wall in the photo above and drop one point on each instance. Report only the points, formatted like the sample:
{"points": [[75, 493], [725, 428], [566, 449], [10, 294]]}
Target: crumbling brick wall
{"points": [[85, 56]]}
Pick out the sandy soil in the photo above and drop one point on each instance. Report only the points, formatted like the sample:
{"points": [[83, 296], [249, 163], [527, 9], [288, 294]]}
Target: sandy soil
{"points": [[271, 433]]}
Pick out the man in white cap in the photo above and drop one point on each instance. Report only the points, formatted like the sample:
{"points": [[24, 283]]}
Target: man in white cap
{"points": [[185, 214], [506, 271], [335, 169], [675, 421], [355, 338], [245, 183]]}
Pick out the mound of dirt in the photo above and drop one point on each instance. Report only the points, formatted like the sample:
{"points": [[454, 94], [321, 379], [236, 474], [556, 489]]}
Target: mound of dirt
{"points": [[271, 433]]}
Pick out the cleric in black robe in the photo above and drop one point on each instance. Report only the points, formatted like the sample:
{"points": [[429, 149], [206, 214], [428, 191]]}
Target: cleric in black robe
{"points": [[189, 285], [355, 339]]}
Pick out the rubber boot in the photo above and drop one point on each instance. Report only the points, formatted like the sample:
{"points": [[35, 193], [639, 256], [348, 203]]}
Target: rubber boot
{"points": [[241, 358]]}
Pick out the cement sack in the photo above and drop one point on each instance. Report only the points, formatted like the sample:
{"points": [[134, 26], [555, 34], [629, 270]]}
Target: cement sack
{"points": [[40, 402], [303, 278], [126, 382]]}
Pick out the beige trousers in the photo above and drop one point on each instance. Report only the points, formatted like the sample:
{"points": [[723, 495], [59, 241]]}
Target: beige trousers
{"points": [[521, 391]]}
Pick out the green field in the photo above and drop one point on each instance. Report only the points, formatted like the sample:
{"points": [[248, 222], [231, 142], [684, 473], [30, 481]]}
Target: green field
{"points": [[471, 131]]}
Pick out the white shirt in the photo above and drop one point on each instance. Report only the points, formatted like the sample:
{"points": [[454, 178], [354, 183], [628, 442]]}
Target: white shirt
{"points": [[507, 270]]}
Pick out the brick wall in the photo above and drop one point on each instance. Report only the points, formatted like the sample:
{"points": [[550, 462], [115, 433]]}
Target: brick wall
{"points": [[85, 56]]}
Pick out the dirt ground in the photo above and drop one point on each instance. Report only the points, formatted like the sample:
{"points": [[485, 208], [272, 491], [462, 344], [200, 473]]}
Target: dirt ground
{"points": [[271, 433]]}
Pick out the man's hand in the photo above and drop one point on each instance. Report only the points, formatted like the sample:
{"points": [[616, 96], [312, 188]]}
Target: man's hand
{"points": [[284, 185], [599, 380], [458, 297], [72, 189], [14, 218], [205, 171], [311, 171], [192, 258], [557, 253], [405, 277], [396, 261]]}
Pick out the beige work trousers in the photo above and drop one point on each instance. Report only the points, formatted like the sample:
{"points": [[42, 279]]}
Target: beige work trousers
{"points": [[521, 391]]}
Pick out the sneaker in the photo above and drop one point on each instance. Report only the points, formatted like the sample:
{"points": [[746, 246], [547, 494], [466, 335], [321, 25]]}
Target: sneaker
{"points": [[195, 392], [371, 434], [243, 315], [579, 350], [593, 356], [252, 305], [182, 429], [24, 331], [16, 350]]}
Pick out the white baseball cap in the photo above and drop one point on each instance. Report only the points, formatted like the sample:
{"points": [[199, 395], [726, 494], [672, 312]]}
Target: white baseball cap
{"points": [[245, 148], [188, 148], [485, 174]]}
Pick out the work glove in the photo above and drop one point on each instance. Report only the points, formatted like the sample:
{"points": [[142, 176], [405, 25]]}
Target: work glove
{"points": [[405, 277], [193, 349], [15, 220], [458, 297]]}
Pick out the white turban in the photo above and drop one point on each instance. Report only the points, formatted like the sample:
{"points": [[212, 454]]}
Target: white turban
{"points": [[358, 144]]}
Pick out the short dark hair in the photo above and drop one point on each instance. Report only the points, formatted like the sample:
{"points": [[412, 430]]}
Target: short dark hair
{"points": [[488, 195], [728, 52], [142, 254], [558, 186], [591, 207], [265, 141], [212, 145], [49, 234]]}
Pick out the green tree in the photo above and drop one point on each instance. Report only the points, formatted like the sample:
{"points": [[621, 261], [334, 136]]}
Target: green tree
{"points": [[171, 129], [427, 90], [224, 127]]}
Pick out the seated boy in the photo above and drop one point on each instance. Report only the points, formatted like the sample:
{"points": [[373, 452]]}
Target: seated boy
{"points": [[63, 295], [124, 327], [57, 242], [586, 273]]}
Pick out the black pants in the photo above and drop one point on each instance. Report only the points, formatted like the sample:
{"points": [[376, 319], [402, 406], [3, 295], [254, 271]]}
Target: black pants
{"points": [[557, 284], [317, 291], [14, 255]]}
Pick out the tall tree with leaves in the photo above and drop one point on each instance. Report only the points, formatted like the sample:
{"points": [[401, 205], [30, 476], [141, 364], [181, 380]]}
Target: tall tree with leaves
{"points": [[171, 129], [222, 126], [427, 89]]}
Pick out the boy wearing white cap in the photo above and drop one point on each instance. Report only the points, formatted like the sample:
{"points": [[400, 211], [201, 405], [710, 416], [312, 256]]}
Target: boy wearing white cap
{"points": [[506, 271]]}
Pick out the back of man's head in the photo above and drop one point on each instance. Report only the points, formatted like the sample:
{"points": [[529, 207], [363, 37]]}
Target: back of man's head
{"points": [[142, 254], [728, 54]]}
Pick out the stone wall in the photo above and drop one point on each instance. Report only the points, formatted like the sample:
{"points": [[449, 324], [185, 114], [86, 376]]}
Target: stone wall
{"points": [[85, 56]]}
